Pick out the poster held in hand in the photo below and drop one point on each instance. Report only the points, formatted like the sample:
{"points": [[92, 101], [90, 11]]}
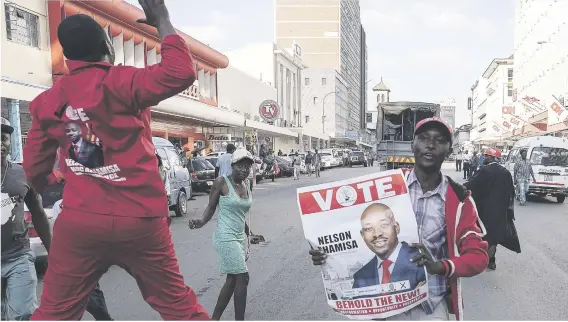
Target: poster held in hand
{"points": [[365, 226]]}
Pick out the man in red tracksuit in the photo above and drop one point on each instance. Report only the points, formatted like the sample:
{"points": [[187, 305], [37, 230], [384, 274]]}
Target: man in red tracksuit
{"points": [[449, 228], [115, 211]]}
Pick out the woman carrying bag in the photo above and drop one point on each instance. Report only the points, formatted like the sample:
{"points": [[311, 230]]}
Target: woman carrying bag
{"points": [[231, 238]]}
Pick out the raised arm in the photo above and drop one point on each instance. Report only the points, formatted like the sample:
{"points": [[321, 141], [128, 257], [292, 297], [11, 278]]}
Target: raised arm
{"points": [[145, 87]]}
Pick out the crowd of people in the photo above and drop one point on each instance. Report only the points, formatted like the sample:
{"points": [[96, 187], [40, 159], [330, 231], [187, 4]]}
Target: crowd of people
{"points": [[125, 222]]}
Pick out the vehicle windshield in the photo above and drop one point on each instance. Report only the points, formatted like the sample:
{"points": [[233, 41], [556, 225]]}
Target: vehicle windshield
{"points": [[213, 161], [325, 154], [201, 165], [357, 153], [549, 156]]}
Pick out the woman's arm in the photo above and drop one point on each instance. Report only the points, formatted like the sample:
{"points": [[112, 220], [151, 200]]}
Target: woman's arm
{"points": [[214, 196]]}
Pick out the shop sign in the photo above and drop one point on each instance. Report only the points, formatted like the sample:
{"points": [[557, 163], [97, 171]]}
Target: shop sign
{"points": [[352, 134], [269, 110], [219, 137]]}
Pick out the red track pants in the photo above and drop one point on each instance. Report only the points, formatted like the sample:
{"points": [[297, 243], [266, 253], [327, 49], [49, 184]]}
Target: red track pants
{"points": [[85, 245]]}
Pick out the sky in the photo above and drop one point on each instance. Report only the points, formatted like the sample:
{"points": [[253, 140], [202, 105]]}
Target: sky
{"points": [[425, 50]]}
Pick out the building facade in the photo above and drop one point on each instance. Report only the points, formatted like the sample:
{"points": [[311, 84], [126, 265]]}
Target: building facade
{"points": [[492, 96], [364, 76], [325, 101], [330, 36], [26, 71], [541, 64], [448, 112]]}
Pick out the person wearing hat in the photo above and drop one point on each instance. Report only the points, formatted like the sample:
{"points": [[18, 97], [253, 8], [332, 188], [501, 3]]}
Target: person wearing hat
{"points": [[232, 195], [493, 190], [452, 245], [114, 213], [18, 272]]}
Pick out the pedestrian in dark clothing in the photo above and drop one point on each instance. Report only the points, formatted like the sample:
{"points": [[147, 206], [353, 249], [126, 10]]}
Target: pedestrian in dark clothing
{"points": [[494, 194], [473, 165]]}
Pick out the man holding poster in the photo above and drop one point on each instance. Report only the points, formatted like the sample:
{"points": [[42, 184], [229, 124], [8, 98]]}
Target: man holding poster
{"points": [[451, 245]]}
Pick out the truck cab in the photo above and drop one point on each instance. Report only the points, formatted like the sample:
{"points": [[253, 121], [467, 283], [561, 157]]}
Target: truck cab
{"points": [[395, 130]]}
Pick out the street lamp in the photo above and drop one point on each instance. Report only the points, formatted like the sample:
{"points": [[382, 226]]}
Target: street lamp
{"points": [[323, 110]]}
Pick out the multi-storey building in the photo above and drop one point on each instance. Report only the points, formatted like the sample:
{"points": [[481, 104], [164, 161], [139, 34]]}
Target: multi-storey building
{"points": [[325, 101], [541, 63], [26, 71], [331, 37], [448, 112], [492, 96], [364, 75]]}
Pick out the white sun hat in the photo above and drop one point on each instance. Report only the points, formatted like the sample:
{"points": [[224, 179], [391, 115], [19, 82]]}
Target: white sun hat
{"points": [[241, 154]]}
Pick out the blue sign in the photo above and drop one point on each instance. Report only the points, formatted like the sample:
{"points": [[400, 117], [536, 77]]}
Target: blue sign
{"points": [[352, 134]]}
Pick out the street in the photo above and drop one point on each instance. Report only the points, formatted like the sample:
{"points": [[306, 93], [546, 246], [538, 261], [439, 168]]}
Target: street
{"points": [[284, 285]]}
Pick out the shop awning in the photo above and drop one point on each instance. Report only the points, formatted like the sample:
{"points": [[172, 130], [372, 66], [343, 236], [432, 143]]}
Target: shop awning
{"points": [[364, 144], [270, 129], [19, 90], [185, 107]]}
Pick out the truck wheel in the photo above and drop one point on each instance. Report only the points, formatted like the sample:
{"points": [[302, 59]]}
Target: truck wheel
{"points": [[181, 207], [560, 198]]}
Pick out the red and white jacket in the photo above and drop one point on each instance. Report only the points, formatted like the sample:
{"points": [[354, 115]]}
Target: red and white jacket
{"points": [[467, 250]]}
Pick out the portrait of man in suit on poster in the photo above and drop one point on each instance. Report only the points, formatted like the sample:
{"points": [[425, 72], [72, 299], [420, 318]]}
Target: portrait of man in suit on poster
{"points": [[84, 152], [391, 262]]}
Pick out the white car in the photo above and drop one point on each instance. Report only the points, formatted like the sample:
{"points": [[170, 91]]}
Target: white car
{"points": [[327, 160]]}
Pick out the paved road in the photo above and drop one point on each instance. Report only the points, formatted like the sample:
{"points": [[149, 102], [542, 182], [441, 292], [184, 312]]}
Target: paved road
{"points": [[285, 286]]}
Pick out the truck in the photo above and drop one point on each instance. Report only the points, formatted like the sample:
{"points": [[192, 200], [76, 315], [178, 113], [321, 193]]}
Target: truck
{"points": [[395, 130]]}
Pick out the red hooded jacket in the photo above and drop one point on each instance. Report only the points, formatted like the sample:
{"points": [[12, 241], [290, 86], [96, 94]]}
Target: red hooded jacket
{"points": [[466, 248], [99, 116]]}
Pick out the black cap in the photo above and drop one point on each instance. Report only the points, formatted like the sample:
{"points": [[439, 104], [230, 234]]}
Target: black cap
{"points": [[80, 36]]}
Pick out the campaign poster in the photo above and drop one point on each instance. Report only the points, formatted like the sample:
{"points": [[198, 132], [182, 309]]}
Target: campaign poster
{"points": [[365, 225]]}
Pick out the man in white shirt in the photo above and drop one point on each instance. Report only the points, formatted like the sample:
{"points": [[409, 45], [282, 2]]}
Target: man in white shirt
{"points": [[223, 167]]}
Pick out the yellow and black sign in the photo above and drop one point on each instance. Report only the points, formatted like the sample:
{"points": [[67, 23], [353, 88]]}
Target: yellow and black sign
{"points": [[400, 159]]}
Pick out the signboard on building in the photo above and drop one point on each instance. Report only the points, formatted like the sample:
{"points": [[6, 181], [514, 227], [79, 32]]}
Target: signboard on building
{"points": [[269, 110], [219, 137], [352, 134]]}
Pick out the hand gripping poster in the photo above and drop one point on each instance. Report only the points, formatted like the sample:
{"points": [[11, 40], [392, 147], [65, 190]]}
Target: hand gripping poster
{"points": [[365, 225]]}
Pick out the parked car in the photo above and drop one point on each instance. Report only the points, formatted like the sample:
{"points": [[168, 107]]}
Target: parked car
{"points": [[178, 174], [285, 165], [212, 160], [358, 158], [202, 174], [215, 154], [327, 160]]}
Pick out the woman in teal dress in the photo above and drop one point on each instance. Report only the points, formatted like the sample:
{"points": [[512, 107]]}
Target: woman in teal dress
{"points": [[233, 196]]}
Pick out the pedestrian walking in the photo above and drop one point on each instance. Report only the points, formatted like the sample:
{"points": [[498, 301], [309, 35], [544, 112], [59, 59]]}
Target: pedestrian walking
{"points": [[234, 199], [317, 163], [296, 163], [223, 167], [19, 278], [466, 165], [309, 163], [115, 211], [494, 194], [459, 160], [446, 215], [523, 173], [473, 165]]}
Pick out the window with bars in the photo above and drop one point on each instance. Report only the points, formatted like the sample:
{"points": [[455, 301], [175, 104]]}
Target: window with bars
{"points": [[21, 26]]}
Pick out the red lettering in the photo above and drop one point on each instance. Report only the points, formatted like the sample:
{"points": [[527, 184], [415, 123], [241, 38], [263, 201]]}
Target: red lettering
{"points": [[398, 298]]}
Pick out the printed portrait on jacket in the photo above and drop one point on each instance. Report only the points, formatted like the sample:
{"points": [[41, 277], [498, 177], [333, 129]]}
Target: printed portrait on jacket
{"points": [[85, 148]]}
